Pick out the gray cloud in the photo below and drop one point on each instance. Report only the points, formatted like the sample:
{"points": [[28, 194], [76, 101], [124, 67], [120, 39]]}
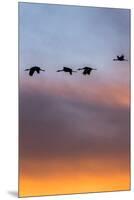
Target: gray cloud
{"points": [[52, 126]]}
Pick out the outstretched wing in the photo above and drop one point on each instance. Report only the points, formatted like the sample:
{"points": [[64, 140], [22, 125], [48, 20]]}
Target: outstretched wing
{"points": [[122, 56], [85, 71], [65, 68], [89, 71], [31, 72], [38, 71]]}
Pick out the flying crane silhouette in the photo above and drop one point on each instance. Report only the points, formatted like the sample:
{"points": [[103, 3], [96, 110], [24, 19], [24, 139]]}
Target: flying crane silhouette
{"points": [[66, 69], [86, 70], [34, 69], [120, 58]]}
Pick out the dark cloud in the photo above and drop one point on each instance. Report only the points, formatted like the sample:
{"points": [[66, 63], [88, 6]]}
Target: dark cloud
{"points": [[55, 127]]}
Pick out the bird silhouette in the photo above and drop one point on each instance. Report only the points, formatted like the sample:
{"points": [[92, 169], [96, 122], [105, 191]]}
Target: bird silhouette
{"points": [[86, 70], [34, 69], [66, 69], [120, 58]]}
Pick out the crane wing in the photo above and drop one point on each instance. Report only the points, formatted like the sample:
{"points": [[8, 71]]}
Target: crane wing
{"points": [[31, 72]]}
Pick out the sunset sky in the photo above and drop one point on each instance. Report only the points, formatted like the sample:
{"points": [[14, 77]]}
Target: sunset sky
{"points": [[74, 130]]}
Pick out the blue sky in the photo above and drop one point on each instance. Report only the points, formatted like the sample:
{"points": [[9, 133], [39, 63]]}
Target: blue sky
{"points": [[56, 35]]}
